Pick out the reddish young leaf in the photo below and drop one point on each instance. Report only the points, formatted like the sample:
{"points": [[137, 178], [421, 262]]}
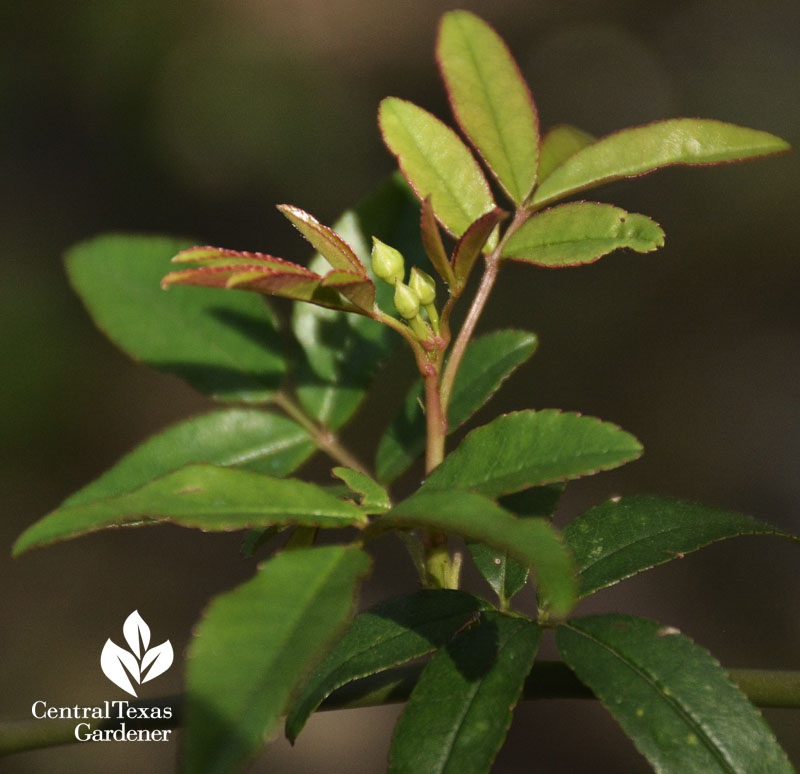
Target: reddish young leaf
{"points": [[432, 242], [272, 276], [471, 243], [325, 240]]}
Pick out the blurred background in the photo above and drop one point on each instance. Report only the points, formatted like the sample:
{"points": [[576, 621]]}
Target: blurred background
{"points": [[195, 118]]}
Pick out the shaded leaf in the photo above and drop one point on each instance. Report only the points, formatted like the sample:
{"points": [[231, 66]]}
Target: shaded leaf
{"points": [[256, 538], [436, 163], [253, 646], [460, 709], [504, 574], [642, 149], [432, 242], [245, 438], [205, 497], [382, 637], [670, 696], [530, 448], [342, 351], [488, 361], [490, 99], [581, 232], [558, 145], [375, 499], [533, 542], [624, 536], [226, 345], [471, 244]]}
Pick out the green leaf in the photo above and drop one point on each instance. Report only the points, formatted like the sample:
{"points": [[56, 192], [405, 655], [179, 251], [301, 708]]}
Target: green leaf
{"points": [[375, 499], [642, 149], [205, 497], [533, 542], [581, 232], [243, 438], [342, 351], [530, 448], [490, 100], [225, 344], [505, 575], [460, 710], [670, 696], [254, 644], [472, 243], [488, 361], [558, 145], [432, 242], [624, 536], [436, 163], [382, 637]]}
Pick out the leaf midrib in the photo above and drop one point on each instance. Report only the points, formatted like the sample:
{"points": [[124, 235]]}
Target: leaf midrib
{"points": [[685, 714], [444, 180], [493, 113]]}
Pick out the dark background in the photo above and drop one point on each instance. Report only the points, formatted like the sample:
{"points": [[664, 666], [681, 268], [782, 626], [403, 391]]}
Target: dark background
{"points": [[196, 117]]}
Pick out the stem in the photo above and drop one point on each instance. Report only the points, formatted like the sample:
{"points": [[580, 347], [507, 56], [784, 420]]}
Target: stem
{"points": [[322, 437], [547, 680], [476, 308], [468, 328], [437, 558]]}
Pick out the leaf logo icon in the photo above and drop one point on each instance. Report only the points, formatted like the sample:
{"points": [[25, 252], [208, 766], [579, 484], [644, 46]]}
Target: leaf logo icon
{"points": [[141, 663]]}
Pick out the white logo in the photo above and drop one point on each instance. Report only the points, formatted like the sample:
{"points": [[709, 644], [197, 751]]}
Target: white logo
{"points": [[140, 663]]}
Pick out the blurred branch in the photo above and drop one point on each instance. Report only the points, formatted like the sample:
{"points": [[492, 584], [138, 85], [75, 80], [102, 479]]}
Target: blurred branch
{"points": [[547, 680]]}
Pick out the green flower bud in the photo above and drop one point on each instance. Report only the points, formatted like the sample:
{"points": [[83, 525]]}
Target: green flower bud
{"points": [[387, 263], [406, 301], [423, 284]]}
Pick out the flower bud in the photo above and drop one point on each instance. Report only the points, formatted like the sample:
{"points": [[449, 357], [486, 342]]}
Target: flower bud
{"points": [[387, 263], [406, 301], [423, 284]]}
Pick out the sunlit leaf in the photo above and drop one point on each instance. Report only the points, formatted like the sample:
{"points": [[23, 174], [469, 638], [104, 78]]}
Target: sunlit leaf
{"points": [[533, 542], [244, 438], [642, 149], [530, 448], [670, 696], [624, 536], [490, 99], [223, 344], [488, 361], [254, 645], [204, 497], [581, 232], [386, 635], [558, 145], [436, 163]]}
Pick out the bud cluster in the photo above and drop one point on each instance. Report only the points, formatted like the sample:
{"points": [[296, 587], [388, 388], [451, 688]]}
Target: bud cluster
{"points": [[389, 265]]}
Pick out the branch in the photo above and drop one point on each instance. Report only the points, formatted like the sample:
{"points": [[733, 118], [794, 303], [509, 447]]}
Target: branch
{"points": [[547, 680]]}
